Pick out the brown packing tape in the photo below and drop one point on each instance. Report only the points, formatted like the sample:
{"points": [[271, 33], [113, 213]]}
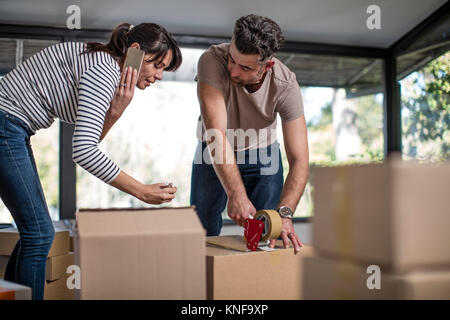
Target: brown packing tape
{"points": [[348, 279], [343, 215], [272, 224]]}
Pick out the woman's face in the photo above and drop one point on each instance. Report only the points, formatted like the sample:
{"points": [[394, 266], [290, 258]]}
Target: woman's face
{"points": [[152, 70]]}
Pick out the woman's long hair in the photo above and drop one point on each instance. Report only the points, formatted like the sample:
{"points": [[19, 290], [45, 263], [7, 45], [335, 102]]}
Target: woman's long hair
{"points": [[152, 38]]}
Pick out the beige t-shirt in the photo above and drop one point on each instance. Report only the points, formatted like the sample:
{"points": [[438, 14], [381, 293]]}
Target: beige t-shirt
{"points": [[254, 113]]}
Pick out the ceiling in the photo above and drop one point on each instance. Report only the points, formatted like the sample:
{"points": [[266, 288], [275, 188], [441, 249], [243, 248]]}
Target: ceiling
{"points": [[321, 21], [340, 22]]}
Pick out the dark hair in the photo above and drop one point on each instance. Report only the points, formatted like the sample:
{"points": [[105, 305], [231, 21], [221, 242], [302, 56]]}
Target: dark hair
{"points": [[256, 34], [152, 38]]}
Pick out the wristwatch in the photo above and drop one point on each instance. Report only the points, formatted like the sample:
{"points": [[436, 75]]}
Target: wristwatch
{"points": [[285, 212]]}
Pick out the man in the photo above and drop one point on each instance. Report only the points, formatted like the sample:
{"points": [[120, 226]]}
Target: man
{"points": [[241, 89]]}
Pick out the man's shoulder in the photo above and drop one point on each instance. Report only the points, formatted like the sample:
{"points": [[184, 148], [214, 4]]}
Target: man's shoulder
{"points": [[282, 75], [217, 52]]}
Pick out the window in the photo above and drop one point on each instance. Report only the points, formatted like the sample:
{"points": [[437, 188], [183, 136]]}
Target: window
{"points": [[343, 110], [154, 141], [425, 98]]}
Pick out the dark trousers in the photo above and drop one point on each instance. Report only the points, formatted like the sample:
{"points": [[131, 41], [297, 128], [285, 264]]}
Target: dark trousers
{"points": [[262, 177]]}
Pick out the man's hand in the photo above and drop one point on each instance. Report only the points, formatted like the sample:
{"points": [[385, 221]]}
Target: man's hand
{"points": [[288, 233], [240, 208]]}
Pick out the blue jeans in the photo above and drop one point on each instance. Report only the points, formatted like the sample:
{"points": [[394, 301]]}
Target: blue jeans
{"points": [[21, 192], [263, 182]]}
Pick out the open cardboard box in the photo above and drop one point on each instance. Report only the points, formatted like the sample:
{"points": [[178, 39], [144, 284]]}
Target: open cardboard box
{"points": [[140, 254], [234, 273]]}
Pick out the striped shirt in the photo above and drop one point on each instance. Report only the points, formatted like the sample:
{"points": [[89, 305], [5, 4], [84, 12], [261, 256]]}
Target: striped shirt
{"points": [[58, 82]]}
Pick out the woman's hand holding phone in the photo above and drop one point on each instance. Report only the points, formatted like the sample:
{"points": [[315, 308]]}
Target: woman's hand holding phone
{"points": [[122, 98], [124, 92]]}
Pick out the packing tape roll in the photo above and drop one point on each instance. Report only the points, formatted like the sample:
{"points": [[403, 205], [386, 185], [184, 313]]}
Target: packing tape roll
{"points": [[347, 278], [272, 224]]}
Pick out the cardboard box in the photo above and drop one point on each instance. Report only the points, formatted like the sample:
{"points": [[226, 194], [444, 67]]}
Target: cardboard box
{"points": [[55, 269], [233, 274], [395, 214], [14, 291], [58, 290], [66, 224], [141, 254], [336, 279], [10, 236], [57, 266]]}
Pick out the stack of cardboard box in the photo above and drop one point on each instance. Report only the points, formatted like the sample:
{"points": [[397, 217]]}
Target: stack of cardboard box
{"points": [[380, 231], [59, 258]]}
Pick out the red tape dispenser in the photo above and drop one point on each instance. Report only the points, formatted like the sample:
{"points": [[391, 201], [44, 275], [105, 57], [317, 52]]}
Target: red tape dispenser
{"points": [[253, 231]]}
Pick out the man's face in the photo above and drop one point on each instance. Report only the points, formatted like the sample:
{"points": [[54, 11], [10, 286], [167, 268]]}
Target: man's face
{"points": [[245, 69]]}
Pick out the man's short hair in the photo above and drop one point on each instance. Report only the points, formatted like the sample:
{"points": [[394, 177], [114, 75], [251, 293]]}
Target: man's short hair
{"points": [[257, 35]]}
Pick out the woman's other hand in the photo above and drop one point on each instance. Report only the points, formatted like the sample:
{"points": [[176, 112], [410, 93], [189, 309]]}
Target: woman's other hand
{"points": [[150, 193], [157, 193]]}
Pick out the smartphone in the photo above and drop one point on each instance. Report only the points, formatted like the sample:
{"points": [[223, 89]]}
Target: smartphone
{"points": [[134, 59]]}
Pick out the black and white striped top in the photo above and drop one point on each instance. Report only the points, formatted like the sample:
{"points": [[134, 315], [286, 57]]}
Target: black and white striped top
{"points": [[58, 82]]}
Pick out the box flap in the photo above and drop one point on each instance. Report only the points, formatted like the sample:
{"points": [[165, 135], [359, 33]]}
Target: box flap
{"points": [[144, 221], [232, 244]]}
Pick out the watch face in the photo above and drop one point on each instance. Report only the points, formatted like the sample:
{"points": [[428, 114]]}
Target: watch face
{"points": [[285, 212]]}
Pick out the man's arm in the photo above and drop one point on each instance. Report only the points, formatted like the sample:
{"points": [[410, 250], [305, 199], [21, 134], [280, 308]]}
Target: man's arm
{"points": [[296, 145], [214, 116]]}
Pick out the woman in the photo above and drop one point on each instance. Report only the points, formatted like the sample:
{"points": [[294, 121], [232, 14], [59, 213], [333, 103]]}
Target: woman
{"points": [[79, 83]]}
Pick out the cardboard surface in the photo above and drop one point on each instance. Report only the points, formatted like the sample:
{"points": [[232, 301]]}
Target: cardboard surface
{"points": [[395, 215], [141, 254], [58, 290], [20, 292], [10, 236], [254, 275], [233, 242], [336, 279], [57, 266], [69, 225]]}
